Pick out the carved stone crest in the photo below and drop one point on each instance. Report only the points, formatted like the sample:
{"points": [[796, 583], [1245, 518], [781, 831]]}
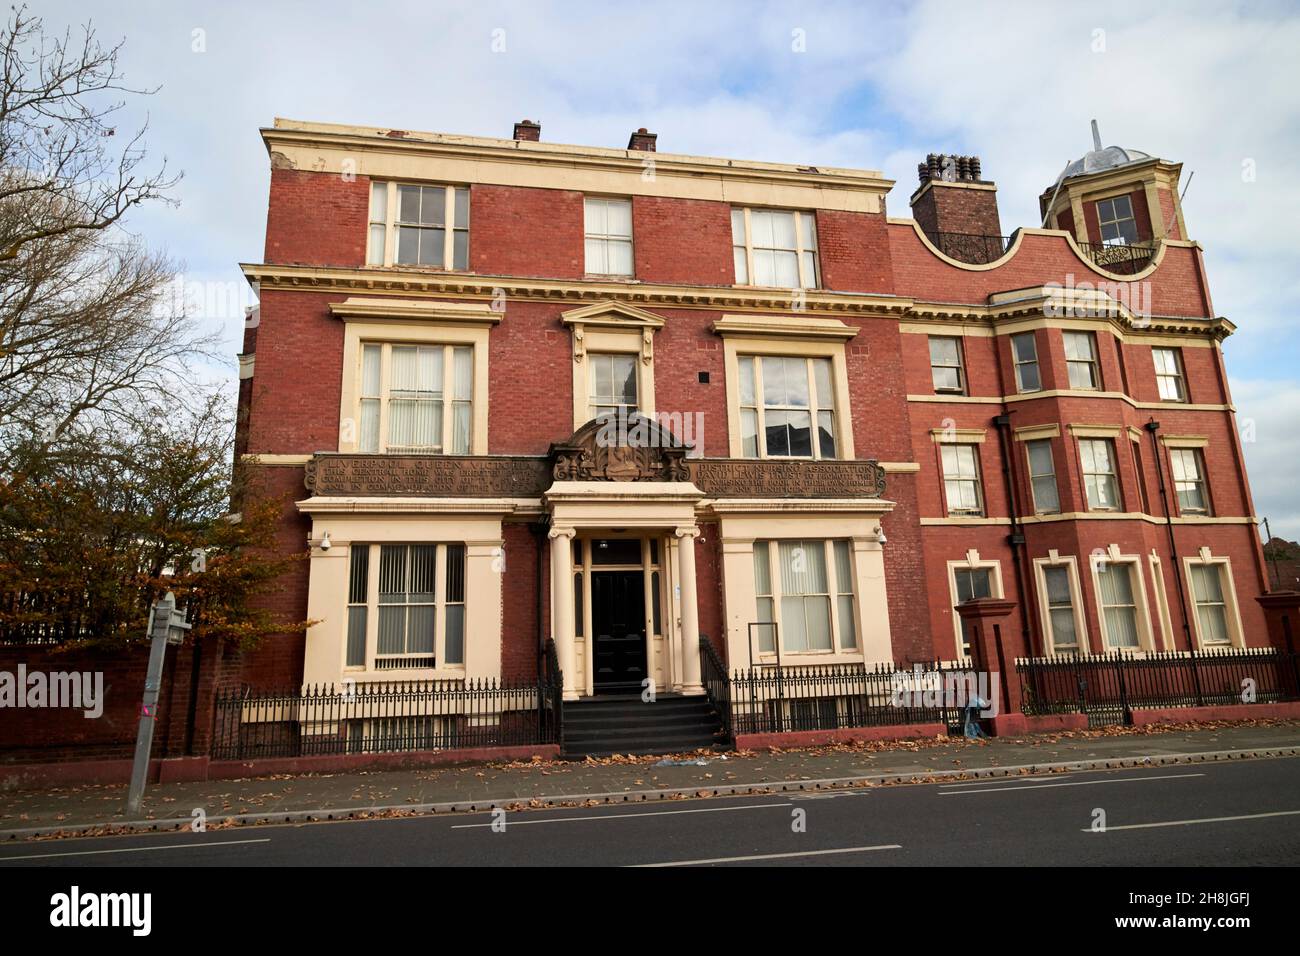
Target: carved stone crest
{"points": [[620, 448]]}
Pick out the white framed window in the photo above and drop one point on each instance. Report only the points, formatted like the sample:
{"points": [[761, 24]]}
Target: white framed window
{"points": [[1042, 476], [775, 247], [1024, 356], [961, 479], [1081, 360], [945, 364], [971, 579], [608, 231], [419, 225], [1059, 596], [1115, 217], [612, 388], [1188, 470], [805, 589], [1169, 374], [787, 406], [1119, 604], [1061, 612], [1211, 606], [415, 398], [406, 606], [1097, 457]]}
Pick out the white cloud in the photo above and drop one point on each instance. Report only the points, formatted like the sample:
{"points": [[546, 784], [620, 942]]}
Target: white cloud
{"points": [[877, 86]]}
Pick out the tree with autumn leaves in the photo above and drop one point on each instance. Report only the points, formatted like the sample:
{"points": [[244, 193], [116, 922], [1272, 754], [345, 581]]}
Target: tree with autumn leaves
{"points": [[116, 471]]}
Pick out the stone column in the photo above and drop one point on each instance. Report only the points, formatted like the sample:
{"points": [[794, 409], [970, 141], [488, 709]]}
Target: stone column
{"points": [[562, 628], [690, 629]]}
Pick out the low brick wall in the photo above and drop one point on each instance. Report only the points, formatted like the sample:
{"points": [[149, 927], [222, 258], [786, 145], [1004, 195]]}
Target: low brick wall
{"points": [[1179, 715], [818, 738], [1012, 725]]}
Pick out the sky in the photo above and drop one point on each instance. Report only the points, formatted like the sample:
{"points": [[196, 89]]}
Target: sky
{"points": [[873, 85]]}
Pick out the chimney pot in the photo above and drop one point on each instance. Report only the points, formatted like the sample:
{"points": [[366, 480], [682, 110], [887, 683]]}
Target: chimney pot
{"points": [[643, 140], [527, 131]]}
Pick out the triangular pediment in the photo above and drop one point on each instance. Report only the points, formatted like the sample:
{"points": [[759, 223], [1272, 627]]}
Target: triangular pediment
{"points": [[612, 314]]}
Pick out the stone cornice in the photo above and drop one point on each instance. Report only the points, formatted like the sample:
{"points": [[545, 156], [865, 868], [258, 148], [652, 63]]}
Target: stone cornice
{"points": [[408, 282], [295, 133]]}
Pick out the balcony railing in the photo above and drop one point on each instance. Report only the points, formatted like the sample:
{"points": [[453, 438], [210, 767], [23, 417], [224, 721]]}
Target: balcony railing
{"points": [[1119, 258], [971, 249]]}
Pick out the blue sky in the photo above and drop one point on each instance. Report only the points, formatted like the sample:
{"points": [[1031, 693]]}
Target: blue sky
{"points": [[869, 85]]}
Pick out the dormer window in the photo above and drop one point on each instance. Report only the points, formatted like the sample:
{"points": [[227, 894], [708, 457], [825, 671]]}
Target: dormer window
{"points": [[1115, 217]]}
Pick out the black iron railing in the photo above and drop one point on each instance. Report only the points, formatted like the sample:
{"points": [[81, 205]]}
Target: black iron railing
{"points": [[713, 674], [1119, 258], [780, 699], [551, 711], [384, 717], [970, 248], [1109, 687]]}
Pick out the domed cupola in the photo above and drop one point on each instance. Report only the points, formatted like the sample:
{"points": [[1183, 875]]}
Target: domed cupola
{"points": [[1112, 197]]}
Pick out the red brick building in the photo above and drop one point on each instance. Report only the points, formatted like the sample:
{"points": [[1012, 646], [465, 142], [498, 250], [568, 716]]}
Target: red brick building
{"points": [[860, 420]]}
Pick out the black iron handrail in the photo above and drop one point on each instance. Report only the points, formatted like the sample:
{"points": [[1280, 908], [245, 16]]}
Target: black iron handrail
{"points": [[714, 676]]}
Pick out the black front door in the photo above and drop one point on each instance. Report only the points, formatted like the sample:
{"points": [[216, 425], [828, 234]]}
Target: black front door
{"points": [[618, 621]]}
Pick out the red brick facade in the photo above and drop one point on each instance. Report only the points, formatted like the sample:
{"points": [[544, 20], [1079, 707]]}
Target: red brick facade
{"points": [[516, 231]]}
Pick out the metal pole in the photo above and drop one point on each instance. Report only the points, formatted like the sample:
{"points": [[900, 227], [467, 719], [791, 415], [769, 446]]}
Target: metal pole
{"points": [[161, 621]]}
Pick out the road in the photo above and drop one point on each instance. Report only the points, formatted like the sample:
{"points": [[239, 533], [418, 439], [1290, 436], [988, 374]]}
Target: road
{"points": [[1239, 813]]}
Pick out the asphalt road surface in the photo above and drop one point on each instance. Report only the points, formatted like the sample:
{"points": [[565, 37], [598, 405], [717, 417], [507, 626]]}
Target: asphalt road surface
{"points": [[1234, 814]]}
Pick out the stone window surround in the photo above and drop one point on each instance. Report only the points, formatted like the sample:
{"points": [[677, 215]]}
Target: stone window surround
{"points": [[797, 337], [413, 322], [1113, 555], [1056, 560], [612, 327], [1232, 611], [971, 562]]}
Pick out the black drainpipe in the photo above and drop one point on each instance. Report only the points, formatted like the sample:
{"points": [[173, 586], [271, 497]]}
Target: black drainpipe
{"points": [[1016, 538], [1152, 426]]}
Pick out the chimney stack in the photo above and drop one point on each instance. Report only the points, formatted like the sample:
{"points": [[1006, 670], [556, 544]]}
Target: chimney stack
{"points": [[528, 132], [953, 203], [643, 140]]}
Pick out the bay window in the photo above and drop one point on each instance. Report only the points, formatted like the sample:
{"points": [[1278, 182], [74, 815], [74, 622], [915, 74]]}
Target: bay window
{"points": [[405, 606], [1100, 485], [961, 479], [1058, 593], [1188, 470], [1118, 604], [804, 591]]}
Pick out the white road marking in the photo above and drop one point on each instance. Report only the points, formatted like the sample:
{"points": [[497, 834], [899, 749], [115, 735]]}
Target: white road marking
{"points": [[1075, 783], [621, 816], [134, 849], [772, 856], [1188, 823], [1033, 778]]}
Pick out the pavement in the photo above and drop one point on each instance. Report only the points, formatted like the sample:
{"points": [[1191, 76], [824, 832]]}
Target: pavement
{"points": [[94, 809], [1233, 813]]}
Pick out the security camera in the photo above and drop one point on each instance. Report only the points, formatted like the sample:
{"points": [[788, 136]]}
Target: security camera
{"points": [[880, 535], [325, 541]]}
